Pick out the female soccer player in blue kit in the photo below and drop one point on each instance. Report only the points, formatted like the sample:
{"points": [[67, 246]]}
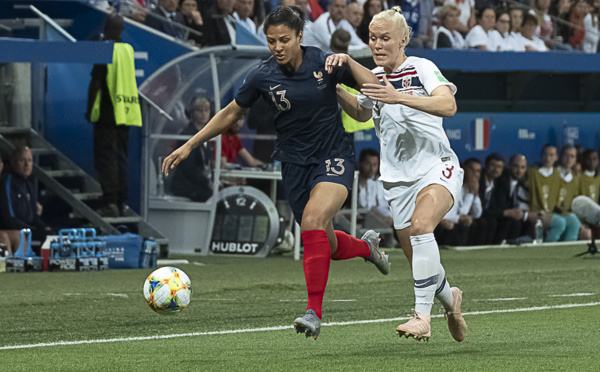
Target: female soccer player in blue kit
{"points": [[317, 155]]}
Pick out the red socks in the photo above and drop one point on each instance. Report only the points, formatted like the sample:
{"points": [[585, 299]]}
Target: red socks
{"points": [[349, 247], [317, 253]]}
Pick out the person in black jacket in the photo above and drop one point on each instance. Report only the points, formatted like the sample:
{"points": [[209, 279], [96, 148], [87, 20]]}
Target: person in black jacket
{"points": [[166, 18], [219, 23], [19, 207]]}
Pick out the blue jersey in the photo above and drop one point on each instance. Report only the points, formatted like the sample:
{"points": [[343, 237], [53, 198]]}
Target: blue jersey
{"points": [[307, 120]]}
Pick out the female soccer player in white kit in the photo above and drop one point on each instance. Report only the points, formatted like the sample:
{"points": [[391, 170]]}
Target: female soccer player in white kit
{"points": [[420, 172]]}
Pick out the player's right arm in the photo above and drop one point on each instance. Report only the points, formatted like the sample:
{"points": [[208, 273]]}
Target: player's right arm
{"points": [[217, 125], [349, 103]]}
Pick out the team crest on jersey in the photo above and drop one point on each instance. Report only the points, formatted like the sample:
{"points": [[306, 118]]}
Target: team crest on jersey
{"points": [[320, 80], [406, 81]]}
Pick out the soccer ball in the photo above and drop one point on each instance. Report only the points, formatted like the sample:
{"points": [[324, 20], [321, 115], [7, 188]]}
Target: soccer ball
{"points": [[168, 290]]}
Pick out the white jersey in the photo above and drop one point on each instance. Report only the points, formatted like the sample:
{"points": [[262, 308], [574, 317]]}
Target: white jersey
{"points": [[412, 141]]}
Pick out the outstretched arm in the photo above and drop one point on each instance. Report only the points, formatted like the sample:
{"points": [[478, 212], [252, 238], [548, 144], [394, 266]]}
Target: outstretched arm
{"points": [[361, 74], [440, 103], [217, 125], [349, 103]]}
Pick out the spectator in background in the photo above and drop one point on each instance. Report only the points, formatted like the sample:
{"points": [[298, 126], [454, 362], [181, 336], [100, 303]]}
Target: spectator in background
{"points": [[166, 18], [532, 43], [589, 181], [447, 35], [258, 12], [560, 11], [370, 8], [19, 207], [193, 19], [592, 27], [411, 9], [545, 29], [461, 225], [500, 35], [479, 36], [243, 11], [492, 170], [511, 202], [231, 146], [467, 19], [568, 189], [516, 20], [220, 24], [113, 106], [192, 178], [327, 23], [576, 17], [370, 194], [354, 15]]}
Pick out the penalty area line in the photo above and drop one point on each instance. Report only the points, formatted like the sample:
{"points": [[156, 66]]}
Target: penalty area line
{"points": [[279, 328]]}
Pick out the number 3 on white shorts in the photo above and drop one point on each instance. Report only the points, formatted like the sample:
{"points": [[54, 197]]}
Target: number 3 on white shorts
{"points": [[336, 170]]}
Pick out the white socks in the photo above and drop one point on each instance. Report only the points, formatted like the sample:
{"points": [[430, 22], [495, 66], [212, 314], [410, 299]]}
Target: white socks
{"points": [[428, 274]]}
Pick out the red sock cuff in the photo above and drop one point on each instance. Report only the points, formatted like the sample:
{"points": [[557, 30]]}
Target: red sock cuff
{"points": [[349, 247], [314, 238]]}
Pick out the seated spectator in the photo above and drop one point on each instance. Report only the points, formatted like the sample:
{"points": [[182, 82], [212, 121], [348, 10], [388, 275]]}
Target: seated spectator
{"points": [[516, 20], [511, 202], [411, 9], [219, 23], [231, 147], [461, 225], [327, 23], [370, 8], [569, 187], [500, 35], [559, 10], [192, 177], [545, 184], [532, 43], [492, 170], [545, 29], [589, 181], [166, 18], [447, 35], [467, 19], [479, 36], [354, 15], [19, 207], [592, 27], [193, 19], [243, 11], [576, 17]]}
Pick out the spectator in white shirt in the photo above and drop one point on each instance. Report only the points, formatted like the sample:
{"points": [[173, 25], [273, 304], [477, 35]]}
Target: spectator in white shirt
{"points": [[479, 37], [447, 35], [516, 20], [500, 35], [327, 23], [467, 14], [354, 14], [592, 27], [532, 42], [243, 11], [458, 225]]}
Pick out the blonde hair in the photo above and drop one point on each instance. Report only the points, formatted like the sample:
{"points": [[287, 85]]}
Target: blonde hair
{"points": [[395, 16]]}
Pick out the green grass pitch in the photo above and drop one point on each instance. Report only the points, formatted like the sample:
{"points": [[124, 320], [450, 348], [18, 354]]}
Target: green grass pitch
{"points": [[528, 309]]}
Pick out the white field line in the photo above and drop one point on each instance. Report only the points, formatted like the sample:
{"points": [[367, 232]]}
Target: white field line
{"points": [[573, 295], [507, 299], [278, 328]]}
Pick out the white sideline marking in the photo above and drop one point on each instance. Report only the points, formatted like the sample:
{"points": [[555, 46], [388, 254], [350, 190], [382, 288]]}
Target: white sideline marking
{"points": [[118, 294], [301, 300], [573, 295], [278, 328], [507, 299]]}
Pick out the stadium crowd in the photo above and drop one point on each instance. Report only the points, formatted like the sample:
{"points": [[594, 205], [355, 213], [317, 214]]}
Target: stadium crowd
{"points": [[492, 25], [503, 201]]}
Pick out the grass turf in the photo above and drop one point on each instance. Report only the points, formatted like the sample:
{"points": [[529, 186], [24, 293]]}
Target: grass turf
{"points": [[231, 293]]}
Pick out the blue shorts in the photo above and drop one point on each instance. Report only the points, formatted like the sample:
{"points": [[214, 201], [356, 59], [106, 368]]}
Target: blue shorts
{"points": [[299, 180]]}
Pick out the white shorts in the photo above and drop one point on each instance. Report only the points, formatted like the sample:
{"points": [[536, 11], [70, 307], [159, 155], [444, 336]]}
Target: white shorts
{"points": [[401, 196]]}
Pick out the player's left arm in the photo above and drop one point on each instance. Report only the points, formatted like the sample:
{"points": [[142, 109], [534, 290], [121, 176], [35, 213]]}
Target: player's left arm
{"points": [[361, 74], [441, 102]]}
